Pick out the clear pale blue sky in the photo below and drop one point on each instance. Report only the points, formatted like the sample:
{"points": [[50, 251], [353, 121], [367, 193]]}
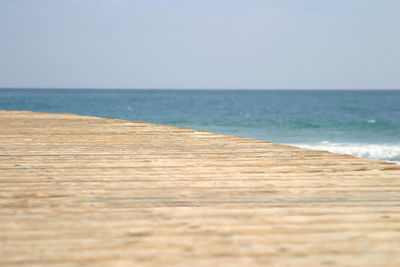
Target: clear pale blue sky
{"points": [[271, 44]]}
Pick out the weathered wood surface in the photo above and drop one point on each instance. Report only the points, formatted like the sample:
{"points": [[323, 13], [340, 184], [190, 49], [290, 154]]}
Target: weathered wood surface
{"points": [[80, 190]]}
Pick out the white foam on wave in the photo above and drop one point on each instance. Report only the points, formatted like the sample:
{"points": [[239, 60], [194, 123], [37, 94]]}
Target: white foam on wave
{"points": [[384, 152]]}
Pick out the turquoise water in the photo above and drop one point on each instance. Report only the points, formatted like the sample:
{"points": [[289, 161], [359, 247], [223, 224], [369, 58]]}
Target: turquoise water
{"points": [[361, 123]]}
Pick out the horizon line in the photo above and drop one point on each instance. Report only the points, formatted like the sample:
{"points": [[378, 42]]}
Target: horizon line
{"points": [[195, 89]]}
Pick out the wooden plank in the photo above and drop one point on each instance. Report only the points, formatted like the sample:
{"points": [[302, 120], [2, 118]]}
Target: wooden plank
{"points": [[78, 190]]}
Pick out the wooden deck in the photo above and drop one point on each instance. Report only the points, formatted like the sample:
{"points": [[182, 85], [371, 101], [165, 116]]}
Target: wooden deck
{"points": [[80, 190]]}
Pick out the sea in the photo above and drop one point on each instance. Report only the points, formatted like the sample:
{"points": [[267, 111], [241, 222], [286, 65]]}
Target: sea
{"points": [[362, 123]]}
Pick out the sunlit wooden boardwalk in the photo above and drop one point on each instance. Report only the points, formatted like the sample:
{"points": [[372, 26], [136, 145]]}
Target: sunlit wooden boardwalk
{"points": [[80, 190]]}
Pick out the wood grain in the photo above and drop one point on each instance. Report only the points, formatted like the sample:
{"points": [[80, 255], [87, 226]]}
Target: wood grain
{"points": [[78, 190]]}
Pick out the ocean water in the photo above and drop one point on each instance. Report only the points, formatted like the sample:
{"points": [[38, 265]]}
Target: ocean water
{"points": [[360, 123]]}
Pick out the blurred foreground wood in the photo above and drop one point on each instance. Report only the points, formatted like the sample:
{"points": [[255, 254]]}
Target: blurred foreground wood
{"points": [[80, 190]]}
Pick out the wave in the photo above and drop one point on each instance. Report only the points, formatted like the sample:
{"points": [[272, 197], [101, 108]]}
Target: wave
{"points": [[384, 152]]}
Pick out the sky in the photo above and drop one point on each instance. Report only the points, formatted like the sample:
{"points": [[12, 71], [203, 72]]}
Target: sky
{"points": [[196, 44]]}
